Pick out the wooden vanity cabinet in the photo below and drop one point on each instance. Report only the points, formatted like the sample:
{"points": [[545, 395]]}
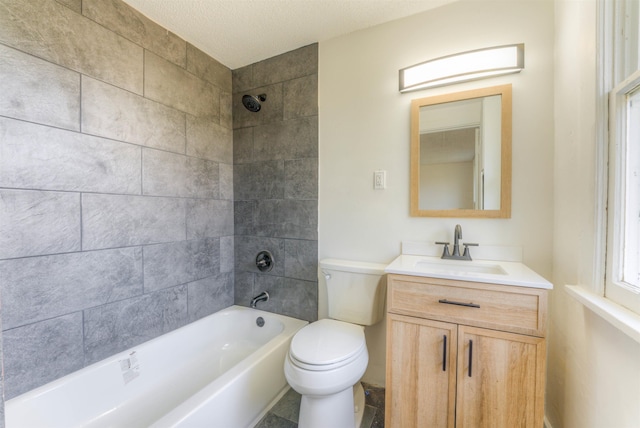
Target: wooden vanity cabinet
{"points": [[479, 364]]}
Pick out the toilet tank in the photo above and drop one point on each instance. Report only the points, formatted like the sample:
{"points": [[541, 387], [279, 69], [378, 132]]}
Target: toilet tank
{"points": [[355, 290]]}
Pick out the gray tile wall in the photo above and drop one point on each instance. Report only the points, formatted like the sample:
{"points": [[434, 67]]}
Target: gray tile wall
{"points": [[116, 185], [276, 182]]}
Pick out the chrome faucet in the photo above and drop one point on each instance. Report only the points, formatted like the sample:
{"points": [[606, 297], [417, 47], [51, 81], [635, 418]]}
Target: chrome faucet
{"points": [[262, 297], [457, 236]]}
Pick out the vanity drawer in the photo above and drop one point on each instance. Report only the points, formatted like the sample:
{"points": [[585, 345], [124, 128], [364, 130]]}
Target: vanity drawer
{"points": [[501, 307]]}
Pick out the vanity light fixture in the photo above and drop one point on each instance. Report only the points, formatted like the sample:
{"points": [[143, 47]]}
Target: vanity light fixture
{"points": [[462, 67]]}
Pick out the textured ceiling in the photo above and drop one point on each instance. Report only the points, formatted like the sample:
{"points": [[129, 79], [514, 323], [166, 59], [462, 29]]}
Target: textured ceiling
{"points": [[241, 32]]}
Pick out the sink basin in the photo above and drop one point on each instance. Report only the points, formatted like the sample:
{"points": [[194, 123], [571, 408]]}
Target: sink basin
{"points": [[487, 271], [459, 267]]}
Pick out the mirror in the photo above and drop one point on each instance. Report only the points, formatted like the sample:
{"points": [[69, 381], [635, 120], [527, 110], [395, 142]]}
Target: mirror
{"points": [[461, 154]]}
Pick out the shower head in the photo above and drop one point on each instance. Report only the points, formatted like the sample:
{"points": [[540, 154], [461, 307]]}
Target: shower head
{"points": [[252, 102]]}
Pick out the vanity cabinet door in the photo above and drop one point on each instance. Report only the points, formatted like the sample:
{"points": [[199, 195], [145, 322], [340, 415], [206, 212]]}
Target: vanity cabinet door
{"points": [[421, 373], [500, 379]]}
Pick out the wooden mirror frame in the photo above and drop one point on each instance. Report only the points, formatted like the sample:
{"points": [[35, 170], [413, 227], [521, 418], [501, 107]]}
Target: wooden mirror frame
{"points": [[505, 161]]}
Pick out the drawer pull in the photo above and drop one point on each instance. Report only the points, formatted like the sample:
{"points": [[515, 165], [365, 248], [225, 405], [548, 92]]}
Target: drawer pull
{"points": [[470, 356], [444, 353], [451, 302]]}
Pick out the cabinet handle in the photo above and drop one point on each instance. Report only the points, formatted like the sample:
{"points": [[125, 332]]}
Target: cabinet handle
{"points": [[451, 302], [470, 356], [444, 353]]}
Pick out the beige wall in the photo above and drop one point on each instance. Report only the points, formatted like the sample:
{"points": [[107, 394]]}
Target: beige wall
{"points": [[593, 378], [364, 126], [593, 369]]}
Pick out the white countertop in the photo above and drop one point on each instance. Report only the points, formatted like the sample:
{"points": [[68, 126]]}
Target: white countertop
{"points": [[488, 271]]}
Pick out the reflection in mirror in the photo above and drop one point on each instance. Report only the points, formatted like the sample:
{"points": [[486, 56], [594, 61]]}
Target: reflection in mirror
{"points": [[461, 154]]}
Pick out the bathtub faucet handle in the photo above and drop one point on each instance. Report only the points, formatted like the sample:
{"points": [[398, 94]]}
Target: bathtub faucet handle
{"points": [[264, 261], [262, 297]]}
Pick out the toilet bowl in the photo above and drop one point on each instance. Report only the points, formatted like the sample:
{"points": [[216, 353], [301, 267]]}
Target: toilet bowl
{"points": [[327, 358]]}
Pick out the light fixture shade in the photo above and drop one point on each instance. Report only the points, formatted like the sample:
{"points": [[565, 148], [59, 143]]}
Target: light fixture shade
{"points": [[462, 67]]}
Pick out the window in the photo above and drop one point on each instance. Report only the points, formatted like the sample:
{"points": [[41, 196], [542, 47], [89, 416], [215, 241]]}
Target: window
{"points": [[631, 180], [622, 270]]}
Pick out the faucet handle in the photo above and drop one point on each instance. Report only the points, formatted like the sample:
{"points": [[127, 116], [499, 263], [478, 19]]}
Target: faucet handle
{"points": [[467, 255], [445, 252]]}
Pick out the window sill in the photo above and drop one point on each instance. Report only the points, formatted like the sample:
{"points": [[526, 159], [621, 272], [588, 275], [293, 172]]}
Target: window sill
{"points": [[622, 318]]}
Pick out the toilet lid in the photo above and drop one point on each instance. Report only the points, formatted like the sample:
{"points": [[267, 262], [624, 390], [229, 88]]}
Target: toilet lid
{"points": [[327, 342]]}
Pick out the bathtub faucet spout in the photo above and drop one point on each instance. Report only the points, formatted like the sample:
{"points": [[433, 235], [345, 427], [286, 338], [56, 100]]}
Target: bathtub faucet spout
{"points": [[262, 297]]}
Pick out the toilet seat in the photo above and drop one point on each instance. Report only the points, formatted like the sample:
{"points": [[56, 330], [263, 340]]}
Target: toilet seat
{"points": [[327, 344]]}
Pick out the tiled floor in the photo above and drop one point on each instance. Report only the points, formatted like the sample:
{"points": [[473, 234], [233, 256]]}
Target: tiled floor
{"points": [[284, 414]]}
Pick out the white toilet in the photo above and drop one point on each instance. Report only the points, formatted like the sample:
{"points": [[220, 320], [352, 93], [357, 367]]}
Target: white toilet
{"points": [[328, 357]]}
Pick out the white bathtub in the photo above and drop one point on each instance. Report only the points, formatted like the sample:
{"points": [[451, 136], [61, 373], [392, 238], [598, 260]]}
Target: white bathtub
{"points": [[220, 371]]}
